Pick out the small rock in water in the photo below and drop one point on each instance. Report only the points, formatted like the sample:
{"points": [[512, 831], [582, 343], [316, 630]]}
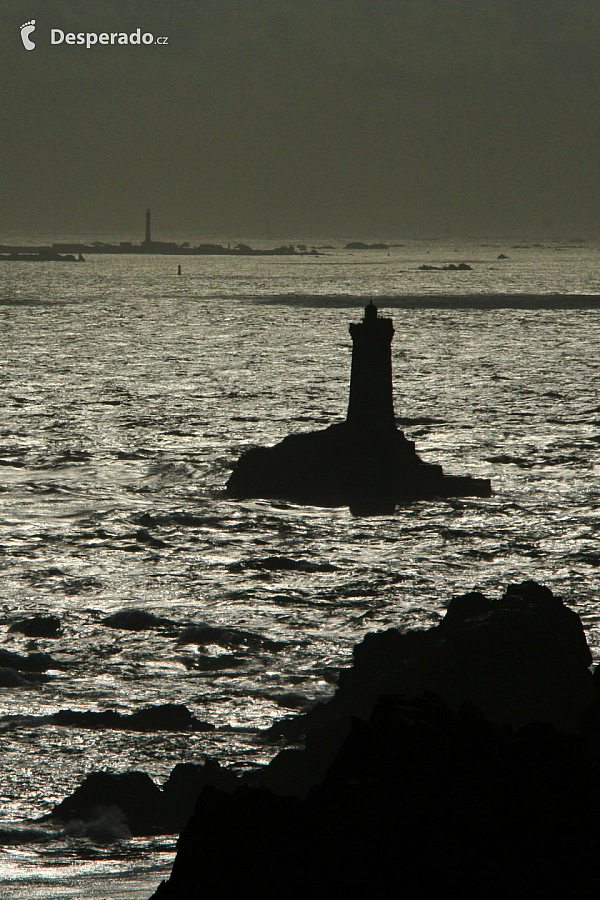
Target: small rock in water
{"points": [[143, 536], [33, 662], [131, 798], [202, 634], [135, 620], [166, 717], [38, 626]]}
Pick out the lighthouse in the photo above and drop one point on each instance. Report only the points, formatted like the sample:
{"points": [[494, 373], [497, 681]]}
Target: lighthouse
{"points": [[365, 461], [371, 404], [147, 239]]}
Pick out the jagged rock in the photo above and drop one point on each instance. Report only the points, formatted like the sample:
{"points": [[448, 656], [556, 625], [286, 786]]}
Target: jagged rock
{"points": [[432, 796], [518, 658], [294, 771], [427, 791], [134, 801], [133, 793], [369, 471], [184, 785], [433, 801]]}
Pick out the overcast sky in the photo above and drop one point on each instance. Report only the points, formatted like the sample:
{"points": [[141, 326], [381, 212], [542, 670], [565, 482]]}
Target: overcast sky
{"points": [[360, 117]]}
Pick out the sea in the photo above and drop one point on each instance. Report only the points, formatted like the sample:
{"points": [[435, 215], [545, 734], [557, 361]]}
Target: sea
{"points": [[128, 392]]}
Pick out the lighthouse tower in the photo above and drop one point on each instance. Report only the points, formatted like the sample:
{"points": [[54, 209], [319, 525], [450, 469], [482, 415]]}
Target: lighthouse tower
{"points": [[148, 239], [371, 404]]}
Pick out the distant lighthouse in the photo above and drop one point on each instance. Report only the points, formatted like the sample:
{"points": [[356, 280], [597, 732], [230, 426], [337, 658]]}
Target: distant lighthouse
{"points": [[371, 404], [148, 239]]}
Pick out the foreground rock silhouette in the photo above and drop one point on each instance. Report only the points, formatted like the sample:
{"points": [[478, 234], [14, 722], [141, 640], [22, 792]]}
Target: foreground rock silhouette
{"points": [[399, 785], [365, 462]]}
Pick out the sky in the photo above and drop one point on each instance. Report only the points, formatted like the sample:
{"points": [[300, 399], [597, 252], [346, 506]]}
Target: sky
{"points": [[408, 118]]}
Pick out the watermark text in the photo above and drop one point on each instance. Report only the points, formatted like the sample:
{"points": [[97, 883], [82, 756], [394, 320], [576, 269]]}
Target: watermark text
{"points": [[89, 39]]}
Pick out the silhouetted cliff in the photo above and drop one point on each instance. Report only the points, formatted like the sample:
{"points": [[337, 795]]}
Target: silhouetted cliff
{"points": [[425, 795]]}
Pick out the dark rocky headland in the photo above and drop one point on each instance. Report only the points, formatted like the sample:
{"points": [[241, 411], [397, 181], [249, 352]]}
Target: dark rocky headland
{"points": [[459, 761], [365, 462]]}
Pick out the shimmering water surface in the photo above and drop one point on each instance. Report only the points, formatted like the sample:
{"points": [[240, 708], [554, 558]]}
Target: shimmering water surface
{"points": [[126, 394]]}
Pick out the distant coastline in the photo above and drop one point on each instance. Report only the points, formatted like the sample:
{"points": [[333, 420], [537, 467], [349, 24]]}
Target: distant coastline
{"points": [[145, 247], [41, 255], [13, 252]]}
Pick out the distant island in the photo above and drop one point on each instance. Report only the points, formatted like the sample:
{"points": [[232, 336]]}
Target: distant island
{"points": [[451, 267], [40, 255], [168, 248], [358, 245]]}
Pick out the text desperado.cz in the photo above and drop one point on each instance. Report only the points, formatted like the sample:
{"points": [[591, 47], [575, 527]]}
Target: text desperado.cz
{"points": [[89, 38]]}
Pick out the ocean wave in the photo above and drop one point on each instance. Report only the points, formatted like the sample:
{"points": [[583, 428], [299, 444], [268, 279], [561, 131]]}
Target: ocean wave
{"points": [[106, 827], [136, 620], [207, 663], [10, 836], [11, 678], [179, 519]]}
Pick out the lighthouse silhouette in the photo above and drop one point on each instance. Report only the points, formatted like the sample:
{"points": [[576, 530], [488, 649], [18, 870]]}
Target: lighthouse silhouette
{"points": [[365, 461], [371, 403]]}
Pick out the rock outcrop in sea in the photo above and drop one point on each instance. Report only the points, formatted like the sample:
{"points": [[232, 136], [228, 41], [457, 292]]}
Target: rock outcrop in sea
{"points": [[365, 462], [459, 761], [136, 802]]}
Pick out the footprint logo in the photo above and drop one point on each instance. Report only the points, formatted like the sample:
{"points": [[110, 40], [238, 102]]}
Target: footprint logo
{"points": [[26, 29]]}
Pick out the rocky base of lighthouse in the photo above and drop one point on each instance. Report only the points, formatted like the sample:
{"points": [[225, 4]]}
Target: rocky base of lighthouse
{"points": [[371, 471]]}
